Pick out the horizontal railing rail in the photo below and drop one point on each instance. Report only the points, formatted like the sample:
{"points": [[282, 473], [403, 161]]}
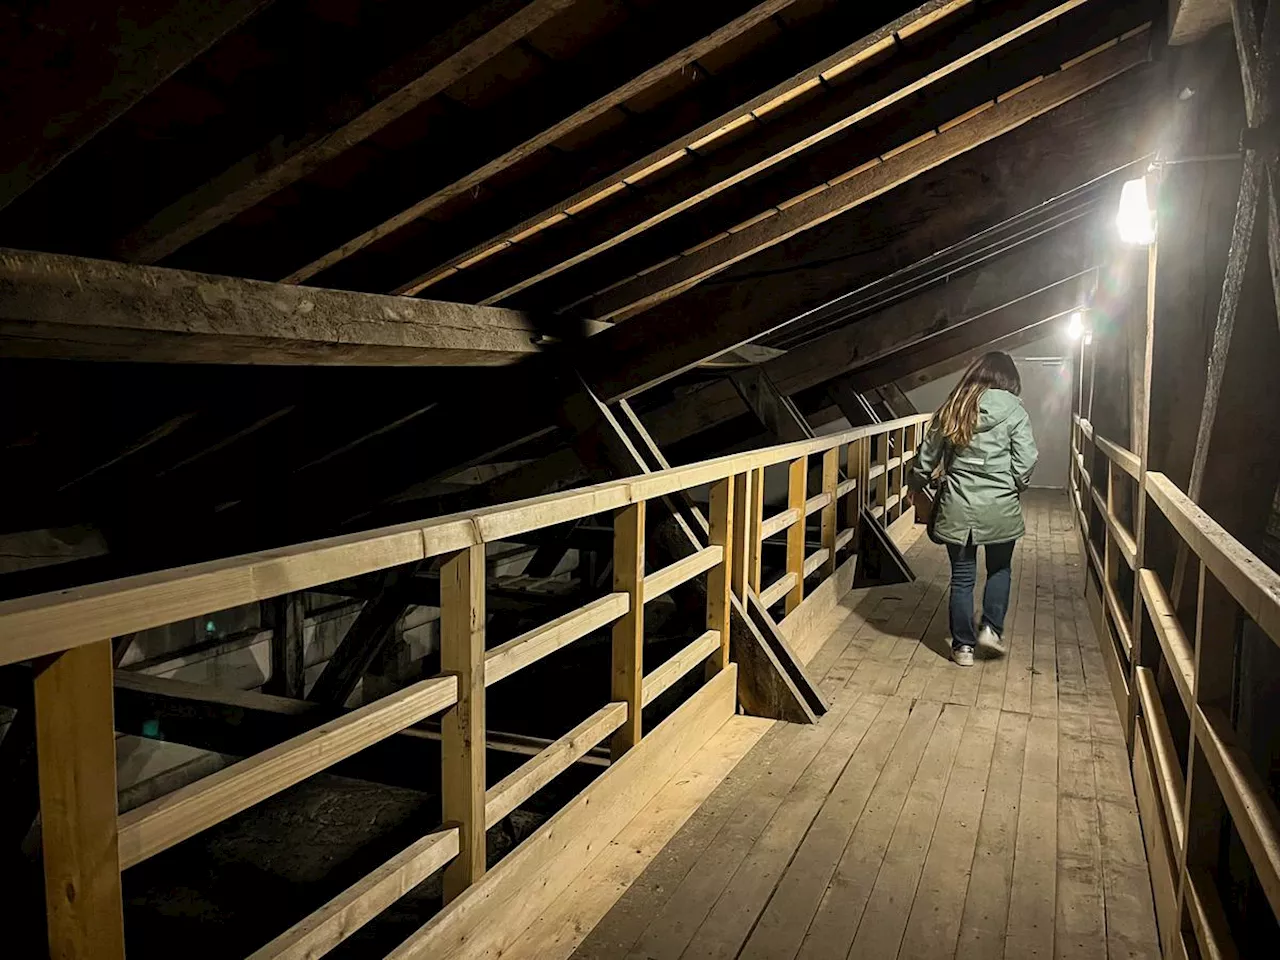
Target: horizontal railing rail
{"points": [[1232, 582], [69, 632]]}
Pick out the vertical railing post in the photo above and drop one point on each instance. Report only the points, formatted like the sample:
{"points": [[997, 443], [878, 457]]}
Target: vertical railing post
{"points": [[76, 758], [740, 561], [857, 469], [1111, 548], [628, 630], [830, 480], [755, 538], [1204, 813], [882, 481], [797, 494], [720, 577], [462, 616]]}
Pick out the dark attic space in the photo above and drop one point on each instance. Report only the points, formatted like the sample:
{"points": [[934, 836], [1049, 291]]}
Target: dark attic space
{"points": [[506, 479]]}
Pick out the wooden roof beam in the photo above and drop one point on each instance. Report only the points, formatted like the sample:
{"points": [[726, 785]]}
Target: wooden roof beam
{"points": [[1036, 264], [519, 268], [974, 334], [1189, 20], [290, 156], [609, 87], [1014, 341], [863, 185], [60, 306], [114, 58]]}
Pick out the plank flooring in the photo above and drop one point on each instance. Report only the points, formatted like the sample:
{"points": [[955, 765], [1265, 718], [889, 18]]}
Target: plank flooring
{"points": [[934, 812]]}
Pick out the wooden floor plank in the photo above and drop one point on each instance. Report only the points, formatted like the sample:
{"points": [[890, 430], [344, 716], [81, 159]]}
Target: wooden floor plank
{"points": [[986, 908], [935, 812], [1044, 660], [557, 933], [885, 919], [1017, 691], [783, 923], [734, 914], [1032, 896], [840, 911], [933, 927], [1080, 927]]}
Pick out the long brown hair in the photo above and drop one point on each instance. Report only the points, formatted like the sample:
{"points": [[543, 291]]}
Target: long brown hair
{"points": [[957, 418]]}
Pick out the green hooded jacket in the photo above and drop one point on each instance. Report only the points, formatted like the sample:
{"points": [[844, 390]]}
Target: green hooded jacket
{"points": [[980, 497]]}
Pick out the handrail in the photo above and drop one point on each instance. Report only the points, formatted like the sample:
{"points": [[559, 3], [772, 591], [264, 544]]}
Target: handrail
{"points": [[1254, 585], [52, 622], [72, 628]]}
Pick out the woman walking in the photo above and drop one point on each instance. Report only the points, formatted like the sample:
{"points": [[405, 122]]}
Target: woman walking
{"points": [[979, 454]]}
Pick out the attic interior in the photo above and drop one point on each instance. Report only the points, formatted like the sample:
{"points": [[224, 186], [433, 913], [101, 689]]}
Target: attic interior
{"points": [[357, 355]]}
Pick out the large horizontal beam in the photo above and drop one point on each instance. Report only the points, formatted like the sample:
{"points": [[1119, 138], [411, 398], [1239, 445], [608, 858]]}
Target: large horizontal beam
{"points": [[601, 86], [811, 123], [1036, 264], [292, 154], [108, 59], [60, 306], [868, 182]]}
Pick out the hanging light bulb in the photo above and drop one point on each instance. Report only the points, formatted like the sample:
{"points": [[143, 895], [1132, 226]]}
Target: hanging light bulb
{"points": [[1075, 325], [1136, 220]]}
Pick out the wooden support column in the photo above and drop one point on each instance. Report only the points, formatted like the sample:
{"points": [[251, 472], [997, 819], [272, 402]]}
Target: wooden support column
{"points": [[830, 480], [288, 665], [628, 631], [462, 726], [76, 749], [797, 493], [720, 577]]}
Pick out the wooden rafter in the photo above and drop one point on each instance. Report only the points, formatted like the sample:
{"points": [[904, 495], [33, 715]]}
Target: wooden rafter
{"points": [[389, 95], [1033, 266], [862, 185], [821, 118], [113, 59], [612, 84], [60, 306]]}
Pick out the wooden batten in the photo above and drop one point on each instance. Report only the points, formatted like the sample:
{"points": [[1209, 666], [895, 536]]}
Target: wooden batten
{"points": [[529, 648], [521, 784], [319, 932], [682, 571], [168, 820], [662, 678]]}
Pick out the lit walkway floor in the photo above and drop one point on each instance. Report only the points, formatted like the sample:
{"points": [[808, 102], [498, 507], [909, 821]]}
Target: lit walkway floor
{"points": [[935, 811]]}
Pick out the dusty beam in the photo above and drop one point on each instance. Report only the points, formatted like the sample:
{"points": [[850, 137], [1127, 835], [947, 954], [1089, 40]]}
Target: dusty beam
{"points": [[60, 306]]}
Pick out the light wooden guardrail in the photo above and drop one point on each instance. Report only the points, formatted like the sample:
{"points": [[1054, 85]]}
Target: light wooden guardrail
{"points": [[87, 845], [1185, 814]]}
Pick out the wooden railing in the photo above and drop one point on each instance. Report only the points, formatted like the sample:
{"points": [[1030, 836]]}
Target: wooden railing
{"points": [[1186, 794], [68, 635]]}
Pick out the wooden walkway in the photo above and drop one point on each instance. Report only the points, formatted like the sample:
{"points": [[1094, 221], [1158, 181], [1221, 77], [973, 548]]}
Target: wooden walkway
{"points": [[935, 811]]}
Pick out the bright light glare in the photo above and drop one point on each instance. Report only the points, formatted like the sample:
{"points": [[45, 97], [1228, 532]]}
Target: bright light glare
{"points": [[1136, 220], [1075, 325], [1088, 339]]}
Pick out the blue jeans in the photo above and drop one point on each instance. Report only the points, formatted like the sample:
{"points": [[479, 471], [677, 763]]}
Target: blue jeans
{"points": [[995, 599]]}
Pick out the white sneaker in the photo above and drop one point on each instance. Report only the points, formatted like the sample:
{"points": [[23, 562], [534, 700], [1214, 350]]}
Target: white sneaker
{"points": [[990, 643], [963, 656]]}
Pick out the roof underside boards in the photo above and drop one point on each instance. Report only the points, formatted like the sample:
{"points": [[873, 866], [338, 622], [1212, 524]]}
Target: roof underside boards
{"points": [[633, 190]]}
